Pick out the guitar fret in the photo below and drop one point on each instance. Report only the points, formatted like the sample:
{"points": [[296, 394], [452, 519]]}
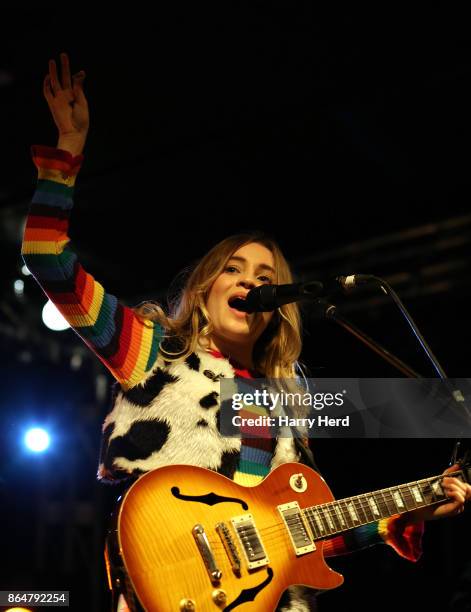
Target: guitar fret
{"points": [[427, 493], [340, 516], [316, 526], [367, 509], [398, 501], [417, 494], [437, 489], [352, 512], [344, 514], [344, 520], [374, 506], [337, 517], [312, 523], [408, 497], [358, 509], [391, 500], [432, 491], [319, 523], [382, 505], [325, 520], [329, 518]]}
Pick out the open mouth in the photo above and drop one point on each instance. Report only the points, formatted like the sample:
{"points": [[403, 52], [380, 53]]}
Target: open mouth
{"points": [[238, 303]]}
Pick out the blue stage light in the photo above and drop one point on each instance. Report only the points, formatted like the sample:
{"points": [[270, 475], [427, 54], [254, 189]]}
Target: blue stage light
{"points": [[37, 439]]}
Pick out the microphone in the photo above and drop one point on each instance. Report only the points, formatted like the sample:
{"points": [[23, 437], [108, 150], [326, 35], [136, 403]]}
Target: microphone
{"points": [[269, 297]]}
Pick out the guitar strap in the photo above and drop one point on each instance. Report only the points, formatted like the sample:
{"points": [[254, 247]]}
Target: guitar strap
{"points": [[305, 453], [118, 581]]}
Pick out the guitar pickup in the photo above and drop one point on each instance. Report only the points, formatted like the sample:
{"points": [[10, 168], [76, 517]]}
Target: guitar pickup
{"points": [[298, 532], [250, 541]]}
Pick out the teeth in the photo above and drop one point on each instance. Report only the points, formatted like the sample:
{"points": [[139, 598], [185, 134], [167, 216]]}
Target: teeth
{"points": [[234, 300]]}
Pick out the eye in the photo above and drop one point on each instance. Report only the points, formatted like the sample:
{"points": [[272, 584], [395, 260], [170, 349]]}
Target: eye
{"points": [[231, 269], [265, 279]]}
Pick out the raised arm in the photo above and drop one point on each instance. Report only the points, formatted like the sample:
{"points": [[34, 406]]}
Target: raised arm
{"points": [[126, 344]]}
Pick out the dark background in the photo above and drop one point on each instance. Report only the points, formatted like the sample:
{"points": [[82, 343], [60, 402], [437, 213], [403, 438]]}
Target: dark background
{"points": [[346, 136]]}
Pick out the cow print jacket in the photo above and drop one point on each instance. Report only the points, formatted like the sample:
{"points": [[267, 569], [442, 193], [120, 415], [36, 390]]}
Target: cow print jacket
{"points": [[172, 416]]}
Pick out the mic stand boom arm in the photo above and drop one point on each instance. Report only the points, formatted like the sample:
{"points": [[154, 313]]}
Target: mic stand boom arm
{"points": [[323, 309]]}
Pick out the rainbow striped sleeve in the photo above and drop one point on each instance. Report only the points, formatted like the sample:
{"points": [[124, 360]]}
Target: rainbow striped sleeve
{"points": [[405, 538], [127, 345]]}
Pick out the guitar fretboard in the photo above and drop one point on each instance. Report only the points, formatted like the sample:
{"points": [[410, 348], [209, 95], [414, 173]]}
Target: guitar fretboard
{"points": [[341, 515]]}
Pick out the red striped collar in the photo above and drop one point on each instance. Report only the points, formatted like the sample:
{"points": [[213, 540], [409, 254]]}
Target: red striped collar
{"points": [[239, 369]]}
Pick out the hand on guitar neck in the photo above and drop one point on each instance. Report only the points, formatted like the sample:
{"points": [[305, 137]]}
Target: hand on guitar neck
{"points": [[459, 492]]}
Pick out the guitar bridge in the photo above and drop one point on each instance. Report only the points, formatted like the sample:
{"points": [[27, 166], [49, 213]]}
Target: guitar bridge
{"points": [[250, 541], [229, 546], [207, 555]]}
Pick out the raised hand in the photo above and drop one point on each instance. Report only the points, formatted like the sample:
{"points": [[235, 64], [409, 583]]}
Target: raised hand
{"points": [[68, 105]]}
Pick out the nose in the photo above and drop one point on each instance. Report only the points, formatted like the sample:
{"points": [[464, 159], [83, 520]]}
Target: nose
{"points": [[247, 283]]}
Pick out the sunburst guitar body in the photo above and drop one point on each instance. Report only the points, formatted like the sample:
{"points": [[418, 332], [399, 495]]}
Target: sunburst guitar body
{"points": [[191, 539]]}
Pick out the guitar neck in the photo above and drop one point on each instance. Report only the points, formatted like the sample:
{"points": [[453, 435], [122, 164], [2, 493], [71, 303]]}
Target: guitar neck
{"points": [[341, 515]]}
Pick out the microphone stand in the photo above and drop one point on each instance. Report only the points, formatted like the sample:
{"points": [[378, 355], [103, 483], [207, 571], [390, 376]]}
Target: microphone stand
{"points": [[386, 288], [456, 394], [329, 311], [326, 310]]}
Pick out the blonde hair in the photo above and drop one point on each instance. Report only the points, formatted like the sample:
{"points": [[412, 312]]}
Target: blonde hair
{"points": [[275, 353]]}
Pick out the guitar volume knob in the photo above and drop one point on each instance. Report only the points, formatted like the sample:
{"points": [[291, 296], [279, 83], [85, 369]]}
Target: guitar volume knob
{"points": [[187, 605], [219, 597]]}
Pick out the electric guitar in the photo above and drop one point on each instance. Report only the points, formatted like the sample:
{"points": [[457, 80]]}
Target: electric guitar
{"points": [[191, 539]]}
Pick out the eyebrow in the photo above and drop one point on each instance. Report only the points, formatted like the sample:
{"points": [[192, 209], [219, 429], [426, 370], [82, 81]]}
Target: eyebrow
{"points": [[259, 267]]}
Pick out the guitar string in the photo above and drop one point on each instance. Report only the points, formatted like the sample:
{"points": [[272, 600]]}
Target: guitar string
{"points": [[328, 508], [273, 531], [278, 532], [278, 529], [364, 505]]}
